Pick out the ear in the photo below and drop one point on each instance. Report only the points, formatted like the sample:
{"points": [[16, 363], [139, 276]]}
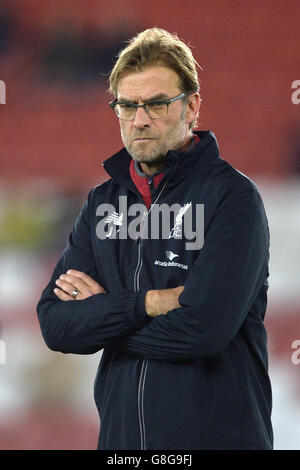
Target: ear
{"points": [[192, 107]]}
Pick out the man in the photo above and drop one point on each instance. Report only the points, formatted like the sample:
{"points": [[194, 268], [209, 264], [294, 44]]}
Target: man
{"points": [[184, 362]]}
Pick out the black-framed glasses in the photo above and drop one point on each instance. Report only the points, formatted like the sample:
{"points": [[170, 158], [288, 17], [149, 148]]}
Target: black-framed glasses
{"points": [[156, 109]]}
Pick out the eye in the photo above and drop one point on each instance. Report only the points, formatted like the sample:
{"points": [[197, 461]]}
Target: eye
{"points": [[126, 106], [155, 104]]}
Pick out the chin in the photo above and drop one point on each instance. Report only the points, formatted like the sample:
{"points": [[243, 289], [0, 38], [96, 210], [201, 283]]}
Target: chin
{"points": [[141, 155]]}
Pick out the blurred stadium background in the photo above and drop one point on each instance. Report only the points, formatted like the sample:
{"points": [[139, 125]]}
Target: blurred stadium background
{"points": [[55, 130]]}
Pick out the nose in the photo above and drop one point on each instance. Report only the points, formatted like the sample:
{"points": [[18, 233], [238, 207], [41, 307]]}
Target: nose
{"points": [[141, 119]]}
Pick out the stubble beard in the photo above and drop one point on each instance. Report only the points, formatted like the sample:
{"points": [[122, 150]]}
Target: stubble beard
{"points": [[156, 154]]}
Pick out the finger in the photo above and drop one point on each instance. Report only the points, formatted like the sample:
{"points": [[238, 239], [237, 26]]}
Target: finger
{"points": [[62, 295], [89, 281], [69, 283]]}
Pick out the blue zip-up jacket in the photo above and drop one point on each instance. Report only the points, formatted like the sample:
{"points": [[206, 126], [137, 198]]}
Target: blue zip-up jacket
{"points": [[197, 377]]}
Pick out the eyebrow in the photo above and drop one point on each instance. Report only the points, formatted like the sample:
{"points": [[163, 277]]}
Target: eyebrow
{"points": [[158, 96]]}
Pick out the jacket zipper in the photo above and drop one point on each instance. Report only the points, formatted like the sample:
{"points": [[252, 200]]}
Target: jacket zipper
{"points": [[136, 282], [141, 403], [151, 186]]}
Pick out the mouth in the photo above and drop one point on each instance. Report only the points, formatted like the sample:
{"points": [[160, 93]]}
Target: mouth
{"points": [[143, 139]]}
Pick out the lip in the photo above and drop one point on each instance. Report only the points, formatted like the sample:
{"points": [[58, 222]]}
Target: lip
{"points": [[140, 139]]}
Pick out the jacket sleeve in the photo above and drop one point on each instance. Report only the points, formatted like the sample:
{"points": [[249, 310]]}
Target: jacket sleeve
{"points": [[86, 326], [219, 290]]}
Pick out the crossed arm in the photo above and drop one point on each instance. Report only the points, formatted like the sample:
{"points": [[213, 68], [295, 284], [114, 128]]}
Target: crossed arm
{"points": [[157, 302]]}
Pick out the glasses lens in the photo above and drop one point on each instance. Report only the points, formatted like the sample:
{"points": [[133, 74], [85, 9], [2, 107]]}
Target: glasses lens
{"points": [[125, 111], [157, 110]]}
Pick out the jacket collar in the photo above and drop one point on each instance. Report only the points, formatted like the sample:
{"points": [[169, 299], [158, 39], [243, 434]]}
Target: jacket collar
{"points": [[177, 162]]}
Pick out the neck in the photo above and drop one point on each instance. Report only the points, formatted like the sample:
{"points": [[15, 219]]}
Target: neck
{"points": [[150, 168]]}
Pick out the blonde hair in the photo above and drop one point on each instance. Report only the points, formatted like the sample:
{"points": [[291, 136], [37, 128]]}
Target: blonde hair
{"points": [[154, 47]]}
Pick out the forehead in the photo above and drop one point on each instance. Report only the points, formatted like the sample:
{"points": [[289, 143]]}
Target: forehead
{"points": [[148, 83]]}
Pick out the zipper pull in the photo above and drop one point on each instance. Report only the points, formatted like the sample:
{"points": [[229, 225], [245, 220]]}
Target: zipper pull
{"points": [[151, 184]]}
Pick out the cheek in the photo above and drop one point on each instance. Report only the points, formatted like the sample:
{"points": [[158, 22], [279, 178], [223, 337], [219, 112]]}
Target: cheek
{"points": [[172, 126], [164, 127], [124, 128]]}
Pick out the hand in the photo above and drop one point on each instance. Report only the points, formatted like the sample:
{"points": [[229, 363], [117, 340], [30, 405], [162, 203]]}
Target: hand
{"points": [[79, 280], [161, 301]]}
